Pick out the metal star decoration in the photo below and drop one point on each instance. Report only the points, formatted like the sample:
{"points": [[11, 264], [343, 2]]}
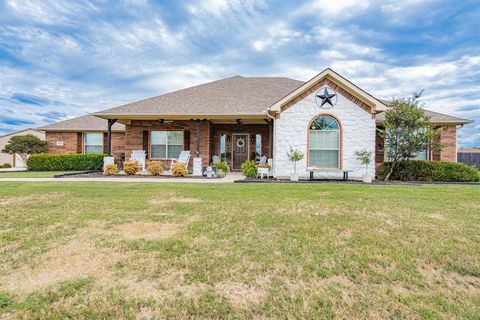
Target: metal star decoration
{"points": [[326, 97]]}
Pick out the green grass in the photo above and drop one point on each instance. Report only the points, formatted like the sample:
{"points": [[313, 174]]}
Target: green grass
{"points": [[30, 174], [279, 251]]}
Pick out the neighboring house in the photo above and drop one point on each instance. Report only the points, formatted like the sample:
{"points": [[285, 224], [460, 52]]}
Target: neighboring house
{"points": [[14, 159], [470, 156], [328, 118]]}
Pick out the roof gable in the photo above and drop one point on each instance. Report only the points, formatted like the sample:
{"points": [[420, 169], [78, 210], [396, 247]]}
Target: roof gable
{"points": [[336, 82]]}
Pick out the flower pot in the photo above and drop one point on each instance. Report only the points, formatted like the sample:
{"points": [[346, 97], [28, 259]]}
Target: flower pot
{"points": [[294, 177], [366, 179]]}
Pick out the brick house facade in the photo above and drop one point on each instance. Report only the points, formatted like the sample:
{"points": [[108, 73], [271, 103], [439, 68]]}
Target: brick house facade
{"points": [[327, 118]]}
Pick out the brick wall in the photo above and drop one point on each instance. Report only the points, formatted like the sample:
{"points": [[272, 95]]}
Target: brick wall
{"points": [[135, 132], [73, 142], [251, 129], [448, 139], [69, 140]]}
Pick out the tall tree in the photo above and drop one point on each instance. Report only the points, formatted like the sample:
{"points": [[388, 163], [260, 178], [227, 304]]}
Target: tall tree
{"points": [[25, 145], [407, 131]]}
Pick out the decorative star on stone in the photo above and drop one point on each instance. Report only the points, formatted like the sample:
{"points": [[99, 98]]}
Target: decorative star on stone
{"points": [[326, 97]]}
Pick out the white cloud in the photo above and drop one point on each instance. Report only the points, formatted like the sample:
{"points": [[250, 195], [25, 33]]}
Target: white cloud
{"points": [[338, 9]]}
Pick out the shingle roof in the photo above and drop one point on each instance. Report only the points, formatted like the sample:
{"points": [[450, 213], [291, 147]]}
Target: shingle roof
{"points": [[229, 96], [83, 123], [435, 117]]}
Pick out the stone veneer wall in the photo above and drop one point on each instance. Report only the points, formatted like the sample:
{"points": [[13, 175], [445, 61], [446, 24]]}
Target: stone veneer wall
{"points": [[292, 125]]}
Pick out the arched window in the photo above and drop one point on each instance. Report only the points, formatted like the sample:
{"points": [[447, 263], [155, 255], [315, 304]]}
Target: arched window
{"points": [[324, 143]]}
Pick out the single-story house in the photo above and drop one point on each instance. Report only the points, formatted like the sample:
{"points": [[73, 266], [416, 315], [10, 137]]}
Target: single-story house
{"points": [[328, 118], [14, 159]]}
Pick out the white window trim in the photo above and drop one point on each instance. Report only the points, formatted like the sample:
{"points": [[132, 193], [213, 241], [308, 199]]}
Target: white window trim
{"points": [[91, 145], [339, 149], [166, 145]]}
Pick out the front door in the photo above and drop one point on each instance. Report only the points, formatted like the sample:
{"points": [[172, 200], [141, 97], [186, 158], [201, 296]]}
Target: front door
{"points": [[240, 150]]}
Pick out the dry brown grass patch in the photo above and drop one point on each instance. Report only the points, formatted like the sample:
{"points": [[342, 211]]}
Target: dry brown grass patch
{"points": [[146, 230], [172, 198], [78, 258], [434, 275], [241, 294], [18, 201]]}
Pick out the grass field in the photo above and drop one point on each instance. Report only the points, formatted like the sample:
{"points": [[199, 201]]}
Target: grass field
{"points": [[30, 174], [100, 250]]}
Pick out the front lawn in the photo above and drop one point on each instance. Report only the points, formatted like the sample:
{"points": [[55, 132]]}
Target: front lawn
{"points": [[31, 174], [102, 250]]}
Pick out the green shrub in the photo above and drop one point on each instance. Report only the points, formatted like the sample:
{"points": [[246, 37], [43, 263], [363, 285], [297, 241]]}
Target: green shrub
{"points": [[5, 166], [155, 168], [110, 169], [179, 170], [426, 170], [65, 162], [130, 167], [249, 169], [221, 166]]}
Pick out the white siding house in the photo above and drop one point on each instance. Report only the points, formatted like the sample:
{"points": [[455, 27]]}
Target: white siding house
{"points": [[15, 160]]}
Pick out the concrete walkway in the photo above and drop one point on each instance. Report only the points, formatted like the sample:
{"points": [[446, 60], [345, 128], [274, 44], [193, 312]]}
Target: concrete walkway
{"points": [[15, 169], [230, 178]]}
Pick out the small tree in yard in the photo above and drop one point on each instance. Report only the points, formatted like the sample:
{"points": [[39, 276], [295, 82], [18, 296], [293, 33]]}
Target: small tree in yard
{"points": [[294, 156], [25, 146], [407, 131], [365, 157]]}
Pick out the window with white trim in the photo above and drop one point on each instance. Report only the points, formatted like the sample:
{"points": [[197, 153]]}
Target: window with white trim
{"points": [[93, 142], [324, 143], [166, 144]]}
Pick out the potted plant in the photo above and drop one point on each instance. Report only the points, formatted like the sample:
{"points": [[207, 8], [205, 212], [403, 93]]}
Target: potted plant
{"points": [[365, 157], [294, 156]]}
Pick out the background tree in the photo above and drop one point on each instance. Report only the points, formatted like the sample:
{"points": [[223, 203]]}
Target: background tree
{"points": [[407, 131], [25, 146]]}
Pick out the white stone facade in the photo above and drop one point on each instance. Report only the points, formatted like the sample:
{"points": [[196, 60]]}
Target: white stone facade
{"points": [[291, 129]]}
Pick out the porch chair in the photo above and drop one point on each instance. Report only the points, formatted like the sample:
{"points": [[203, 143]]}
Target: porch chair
{"points": [[139, 156], [184, 158], [263, 160]]}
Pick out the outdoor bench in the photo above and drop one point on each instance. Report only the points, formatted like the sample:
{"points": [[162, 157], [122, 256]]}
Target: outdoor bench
{"points": [[326, 170]]}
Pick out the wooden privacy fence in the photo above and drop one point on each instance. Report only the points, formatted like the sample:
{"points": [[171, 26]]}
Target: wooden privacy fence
{"points": [[470, 158]]}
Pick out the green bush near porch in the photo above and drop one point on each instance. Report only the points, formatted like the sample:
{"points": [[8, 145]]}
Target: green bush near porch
{"points": [[65, 162], [426, 170], [249, 169]]}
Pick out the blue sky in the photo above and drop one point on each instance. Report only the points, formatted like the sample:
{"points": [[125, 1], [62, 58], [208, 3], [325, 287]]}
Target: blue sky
{"points": [[64, 59]]}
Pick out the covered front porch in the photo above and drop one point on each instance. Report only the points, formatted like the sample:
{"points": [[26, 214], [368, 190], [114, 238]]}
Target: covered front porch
{"points": [[232, 140]]}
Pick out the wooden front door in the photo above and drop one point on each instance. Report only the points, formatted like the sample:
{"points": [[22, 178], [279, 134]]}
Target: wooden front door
{"points": [[240, 150]]}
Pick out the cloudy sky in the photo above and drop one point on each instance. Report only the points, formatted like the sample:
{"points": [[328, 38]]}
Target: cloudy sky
{"points": [[64, 59]]}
